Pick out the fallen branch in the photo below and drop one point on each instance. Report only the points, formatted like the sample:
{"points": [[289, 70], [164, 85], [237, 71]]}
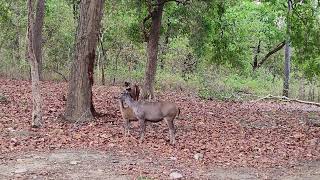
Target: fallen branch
{"points": [[283, 98]]}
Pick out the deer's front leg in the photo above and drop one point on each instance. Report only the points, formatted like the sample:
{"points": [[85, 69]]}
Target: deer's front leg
{"points": [[126, 127], [142, 128]]}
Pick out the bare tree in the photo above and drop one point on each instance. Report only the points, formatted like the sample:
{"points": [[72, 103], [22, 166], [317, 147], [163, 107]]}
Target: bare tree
{"points": [[34, 26], [79, 105]]}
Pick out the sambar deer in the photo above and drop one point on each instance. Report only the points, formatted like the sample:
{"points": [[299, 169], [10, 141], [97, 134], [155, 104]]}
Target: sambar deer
{"points": [[152, 111], [126, 112]]}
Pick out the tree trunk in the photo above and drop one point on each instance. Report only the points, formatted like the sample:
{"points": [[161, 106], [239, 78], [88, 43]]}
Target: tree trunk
{"points": [[256, 52], [318, 92], [311, 91], [302, 89], [100, 63], [287, 70], [152, 50], [37, 38], [16, 42], [31, 56], [17, 47], [287, 54], [103, 80], [116, 66], [79, 105]]}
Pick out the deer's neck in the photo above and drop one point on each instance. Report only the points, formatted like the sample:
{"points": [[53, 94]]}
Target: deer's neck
{"points": [[130, 102]]}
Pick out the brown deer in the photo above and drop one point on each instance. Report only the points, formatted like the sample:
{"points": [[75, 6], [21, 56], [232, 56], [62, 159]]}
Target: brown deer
{"points": [[126, 112], [152, 111]]}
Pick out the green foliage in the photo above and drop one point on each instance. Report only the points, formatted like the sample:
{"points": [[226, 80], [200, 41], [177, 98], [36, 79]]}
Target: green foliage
{"points": [[305, 37], [241, 87], [58, 34], [216, 37]]}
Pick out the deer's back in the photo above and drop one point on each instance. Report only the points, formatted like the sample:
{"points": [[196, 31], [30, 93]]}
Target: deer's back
{"points": [[157, 110]]}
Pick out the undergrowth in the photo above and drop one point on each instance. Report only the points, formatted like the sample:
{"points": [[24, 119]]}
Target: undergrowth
{"points": [[211, 84]]}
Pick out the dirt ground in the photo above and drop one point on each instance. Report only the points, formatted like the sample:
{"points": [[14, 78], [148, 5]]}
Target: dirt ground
{"points": [[88, 164]]}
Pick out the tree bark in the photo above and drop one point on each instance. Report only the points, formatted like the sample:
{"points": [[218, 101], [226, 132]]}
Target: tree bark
{"points": [[256, 52], [79, 105], [37, 41], [31, 56], [152, 50], [287, 54]]}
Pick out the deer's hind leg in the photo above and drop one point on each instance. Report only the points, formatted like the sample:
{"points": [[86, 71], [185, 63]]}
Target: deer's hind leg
{"points": [[142, 128], [172, 130]]}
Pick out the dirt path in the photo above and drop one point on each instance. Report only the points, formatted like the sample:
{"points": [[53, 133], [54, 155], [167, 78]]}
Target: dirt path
{"points": [[62, 164], [82, 164]]}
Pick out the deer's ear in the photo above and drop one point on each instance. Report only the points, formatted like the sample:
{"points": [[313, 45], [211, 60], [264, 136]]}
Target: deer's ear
{"points": [[126, 84], [128, 89]]}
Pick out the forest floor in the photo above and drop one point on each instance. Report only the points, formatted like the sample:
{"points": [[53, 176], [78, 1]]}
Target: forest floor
{"points": [[230, 140]]}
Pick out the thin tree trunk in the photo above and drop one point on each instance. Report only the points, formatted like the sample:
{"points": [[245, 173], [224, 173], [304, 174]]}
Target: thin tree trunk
{"points": [[311, 91], [98, 58], [37, 41], [116, 67], [256, 52], [152, 50], [31, 56], [287, 54], [102, 60], [302, 89], [287, 70], [16, 42], [103, 80], [79, 105], [318, 86]]}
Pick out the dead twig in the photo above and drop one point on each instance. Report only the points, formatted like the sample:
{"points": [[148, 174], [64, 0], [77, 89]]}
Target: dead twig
{"points": [[284, 98]]}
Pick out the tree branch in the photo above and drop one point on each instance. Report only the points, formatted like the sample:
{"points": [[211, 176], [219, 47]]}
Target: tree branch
{"points": [[151, 9], [274, 50], [184, 2], [283, 98]]}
